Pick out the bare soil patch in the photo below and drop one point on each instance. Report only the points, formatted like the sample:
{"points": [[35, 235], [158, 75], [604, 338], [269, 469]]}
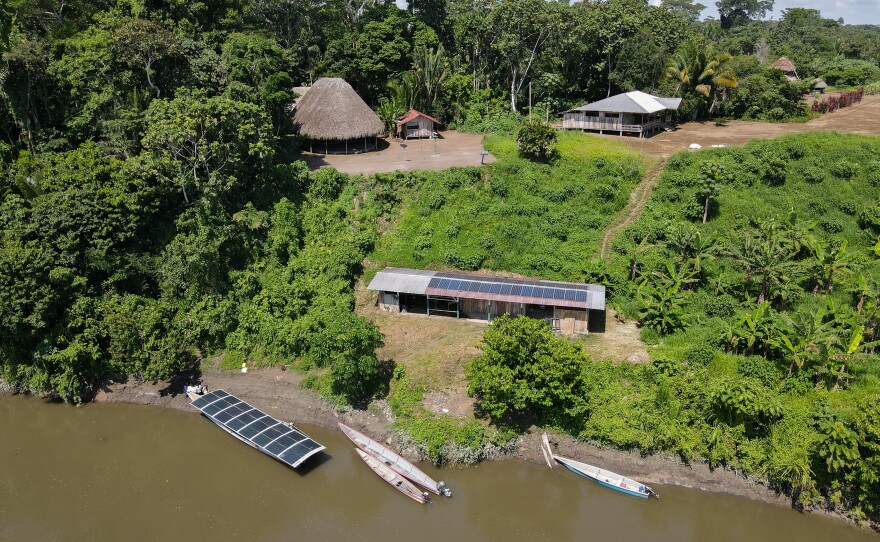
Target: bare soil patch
{"points": [[862, 118], [452, 149], [621, 341]]}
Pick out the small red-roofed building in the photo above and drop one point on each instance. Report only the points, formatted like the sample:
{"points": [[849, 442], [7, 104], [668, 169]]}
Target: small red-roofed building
{"points": [[415, 124]]}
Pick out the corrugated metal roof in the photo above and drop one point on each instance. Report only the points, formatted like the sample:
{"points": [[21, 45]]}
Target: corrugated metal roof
{"points": [[413, 114], [631, 102], [401, 280], [533, 292]]}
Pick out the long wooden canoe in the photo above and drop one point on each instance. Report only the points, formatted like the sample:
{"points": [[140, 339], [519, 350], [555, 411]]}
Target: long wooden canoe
{"points": [[394, 461], [396, 480], [606, 478]]}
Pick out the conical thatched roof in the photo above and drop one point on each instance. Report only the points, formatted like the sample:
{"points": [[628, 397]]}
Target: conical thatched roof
{"points": [[784, 64], [332, 110]]}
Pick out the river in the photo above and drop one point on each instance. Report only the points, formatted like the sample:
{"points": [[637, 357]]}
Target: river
{"points": [[125, 472]]}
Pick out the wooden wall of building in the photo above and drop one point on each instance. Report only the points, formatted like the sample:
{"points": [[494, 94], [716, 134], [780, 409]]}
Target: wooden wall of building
{"points": [[571, 321], [567, 321], [389, 301]]}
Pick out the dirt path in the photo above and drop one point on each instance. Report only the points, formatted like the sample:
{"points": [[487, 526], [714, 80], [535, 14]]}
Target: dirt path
{"points": [[637, 201]]}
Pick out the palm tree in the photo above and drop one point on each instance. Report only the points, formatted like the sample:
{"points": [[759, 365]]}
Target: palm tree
{"points": [[698, 68], [431, 70]]}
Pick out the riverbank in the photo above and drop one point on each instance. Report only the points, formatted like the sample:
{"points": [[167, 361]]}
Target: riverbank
{"points": [[279, 393]]}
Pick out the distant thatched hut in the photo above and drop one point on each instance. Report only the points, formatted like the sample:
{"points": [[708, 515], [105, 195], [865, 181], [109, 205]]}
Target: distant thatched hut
{"points": [[787, 67], [331, 111], [818, 85]]}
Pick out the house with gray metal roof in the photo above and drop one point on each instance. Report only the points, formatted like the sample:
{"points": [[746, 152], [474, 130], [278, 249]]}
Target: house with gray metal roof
{"points": [[631, 112], [569, 307]]}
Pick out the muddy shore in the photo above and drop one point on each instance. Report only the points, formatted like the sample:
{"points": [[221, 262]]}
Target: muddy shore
{"points": [[279, 393]]}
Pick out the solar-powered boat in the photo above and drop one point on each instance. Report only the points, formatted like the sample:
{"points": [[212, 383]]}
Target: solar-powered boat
{"points": [[255, 428], [394, 461], [394, 478]]}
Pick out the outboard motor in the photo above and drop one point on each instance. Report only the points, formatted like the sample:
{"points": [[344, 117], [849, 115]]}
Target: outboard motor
{"points": [[426, 495], [445, 491]]}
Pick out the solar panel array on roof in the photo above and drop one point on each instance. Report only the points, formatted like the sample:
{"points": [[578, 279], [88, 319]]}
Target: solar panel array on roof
{"points": [[543, 290], [286, 444]]}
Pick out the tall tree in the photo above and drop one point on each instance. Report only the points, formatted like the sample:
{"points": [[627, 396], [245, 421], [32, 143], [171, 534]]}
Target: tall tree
{"points": [[736, 12], [521, 29], [688, 9]]}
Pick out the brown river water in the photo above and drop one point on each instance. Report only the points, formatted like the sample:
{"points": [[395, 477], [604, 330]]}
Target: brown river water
{"points": [[125, 472]]}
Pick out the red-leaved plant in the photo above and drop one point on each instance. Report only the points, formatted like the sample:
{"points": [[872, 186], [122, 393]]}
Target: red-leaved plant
{"points": [[845, 99]]}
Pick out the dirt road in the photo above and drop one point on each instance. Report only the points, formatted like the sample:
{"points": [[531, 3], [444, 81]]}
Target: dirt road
{"points": [[862, 118]]}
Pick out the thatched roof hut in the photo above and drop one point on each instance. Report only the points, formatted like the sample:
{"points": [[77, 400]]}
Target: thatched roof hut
{"points": [[786, 66], [332, 110]]}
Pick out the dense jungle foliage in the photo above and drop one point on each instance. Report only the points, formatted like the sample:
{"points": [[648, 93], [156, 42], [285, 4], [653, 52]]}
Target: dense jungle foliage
{"points": [[755, 273], [79, 70]]}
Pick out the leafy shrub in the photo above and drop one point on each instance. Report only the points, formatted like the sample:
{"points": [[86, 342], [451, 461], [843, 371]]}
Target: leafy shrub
{"points": [[774, 172], [525, 368], [813, 174], [831, 226], [605, 192], [721, 306], [326, 183], [499, 186], [453, 229], [746, 402], [666, 366], [869, 218], [700, 355], [844, 169], [848, 208], [678, 162], [470, 262], [536, 140], [760, 369]]}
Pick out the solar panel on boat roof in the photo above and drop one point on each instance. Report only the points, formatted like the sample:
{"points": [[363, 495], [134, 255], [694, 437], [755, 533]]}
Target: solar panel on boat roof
{"points": [[285, 443]]}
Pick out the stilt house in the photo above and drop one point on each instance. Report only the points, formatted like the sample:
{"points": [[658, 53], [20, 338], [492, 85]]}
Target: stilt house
{"points": [[634, 113]]}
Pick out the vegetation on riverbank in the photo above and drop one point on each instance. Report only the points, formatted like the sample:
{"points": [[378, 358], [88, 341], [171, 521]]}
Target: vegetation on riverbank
{"points": [[764, 322]]}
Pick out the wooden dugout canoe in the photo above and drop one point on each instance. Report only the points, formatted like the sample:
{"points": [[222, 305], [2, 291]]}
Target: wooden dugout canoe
{"points": [[606, 478], [394, 461], [396, 481]]}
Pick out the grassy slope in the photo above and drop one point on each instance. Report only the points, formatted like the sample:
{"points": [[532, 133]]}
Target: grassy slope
{"points": [[638, 408], [525, 225], [521, 217]]}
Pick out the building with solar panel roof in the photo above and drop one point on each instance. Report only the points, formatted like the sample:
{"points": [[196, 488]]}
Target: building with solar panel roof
{"points": [[568, 307]]}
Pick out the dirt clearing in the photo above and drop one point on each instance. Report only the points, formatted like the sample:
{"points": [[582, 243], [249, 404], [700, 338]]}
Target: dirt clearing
{"points": [[862, 118], [452, 149]]}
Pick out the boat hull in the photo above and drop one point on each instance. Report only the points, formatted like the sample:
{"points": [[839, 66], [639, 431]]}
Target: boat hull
{"points": [[605, 478], [393, 460], [393, 478]]}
